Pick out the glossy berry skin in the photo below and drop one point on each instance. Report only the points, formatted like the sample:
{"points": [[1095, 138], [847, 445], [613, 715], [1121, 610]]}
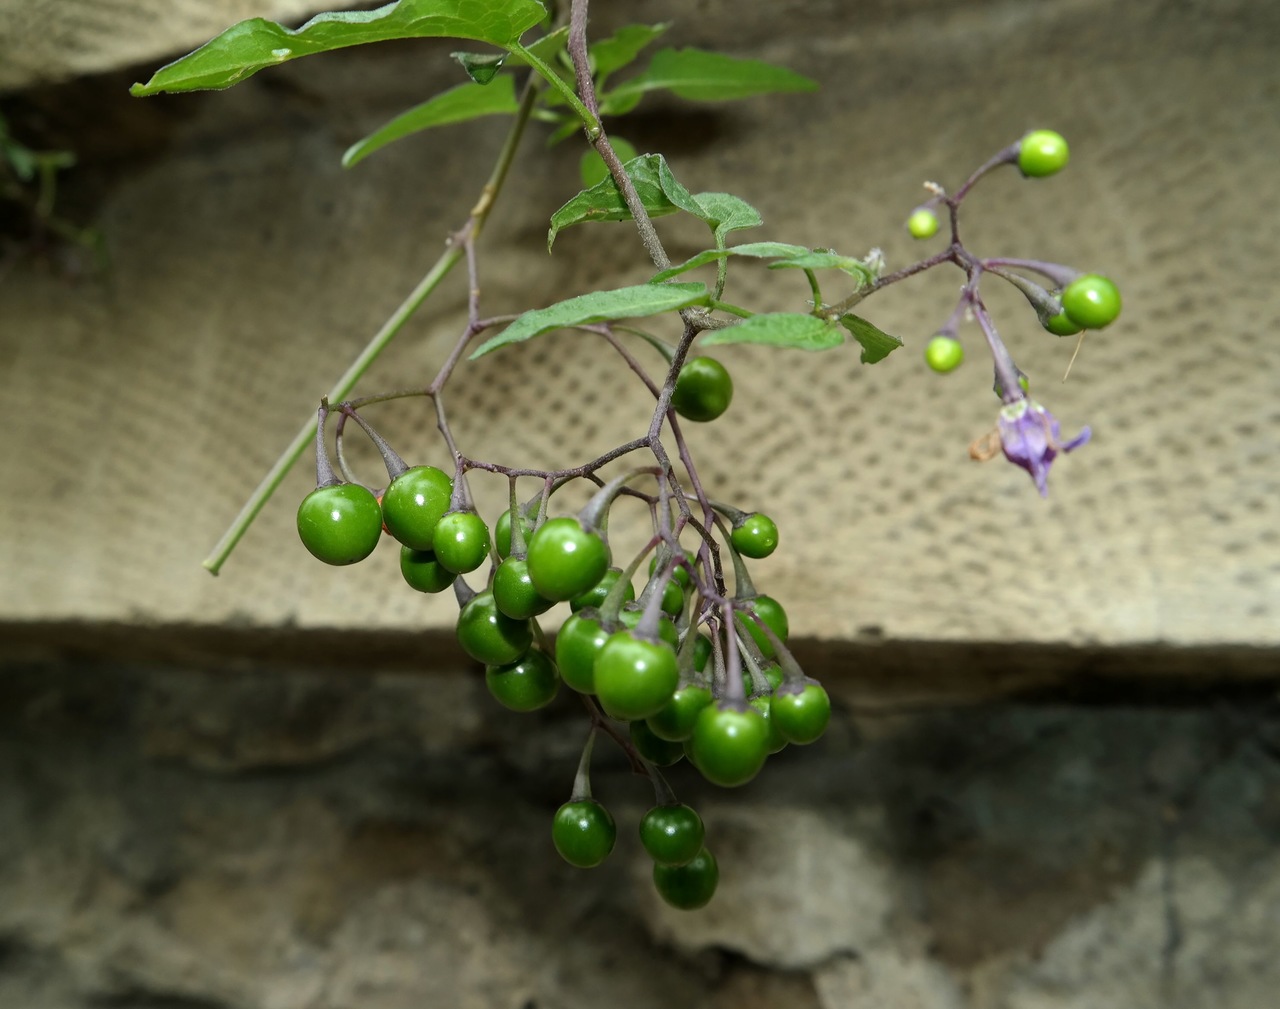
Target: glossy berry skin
{"points": [[413, 504], [341, 523], [756, 536], [527, 684], [801, 716], [672, 598], [1091, 301], [634, 678], [943, 354], [689, 886], [679, 574], [630, 617], [502, 532], [1041, 153], [461, 541], [583, 832], [729, 744], [675, 721], [1060, 325], [578, 643], [923, 223], [661, 752], [703, 389], [772, 613], [672, 834], [513, 590], [488, 635], [565, 560], [423, 572], [774, 740], [594, 596]]}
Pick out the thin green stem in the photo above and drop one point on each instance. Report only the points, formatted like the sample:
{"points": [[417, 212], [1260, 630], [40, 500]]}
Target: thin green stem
{"points": [[425, 287], [589, 119]]}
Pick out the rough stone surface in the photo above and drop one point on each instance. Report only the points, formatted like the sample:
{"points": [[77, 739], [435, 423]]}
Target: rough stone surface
{"points": [[248, 268], [1008, 857]]}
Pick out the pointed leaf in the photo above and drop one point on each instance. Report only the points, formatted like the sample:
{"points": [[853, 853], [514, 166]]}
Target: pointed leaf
{"points": [[822, 259], [245, 48], [756, 250], [466, 101], [699, 75], [622, 47], [659, 191], [599, 306], [725, 213], [876, 344], [794, 330], [481, 67]]}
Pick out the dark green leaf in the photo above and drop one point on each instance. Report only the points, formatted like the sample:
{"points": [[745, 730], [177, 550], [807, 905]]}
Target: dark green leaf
{"points": [[622, 47], [876, 344], [794, 330], [659, 192], [756, 250], [821, 259], [599, 306], [466, 101], [699, 75], [245, 48], [481, 67], [592, 167]]}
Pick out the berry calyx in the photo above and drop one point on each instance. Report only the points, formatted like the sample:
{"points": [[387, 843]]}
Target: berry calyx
{"points": [[943, 353], [490, 636], [689, 886], [527, 684], [634, 678], [1041, 153], [583, 833], [565, 560], [672, 834], [703, 389], [729, 743], [461, 541], [423, 572], [801, 716], [414, 502], [1091, 301], [923, 223], [756, 536], [340, 523]]}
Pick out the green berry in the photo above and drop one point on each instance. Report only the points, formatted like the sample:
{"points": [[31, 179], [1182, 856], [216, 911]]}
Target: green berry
{"points": [[594, 596], [801, 715], [423, 572], [675, 720], [513, 590], [341, 523], [1060, 324], [943, 354], [1091, 301], [583, 832], [1041, 153], [413, 504], [461, 541], [689, 886], [661, 752], [703, 389], [630, 618], [490, 636], [634, 678], [923, 223], [565, 560], [756, 536], [578, 643], [526, 684], [729, 744], [672, 598], [672, 834], [772, 613], [502, 531], [774, 740], [679, 574]]}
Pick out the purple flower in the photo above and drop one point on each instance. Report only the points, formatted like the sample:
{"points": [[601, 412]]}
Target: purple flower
{"points": [[1029, 436]]}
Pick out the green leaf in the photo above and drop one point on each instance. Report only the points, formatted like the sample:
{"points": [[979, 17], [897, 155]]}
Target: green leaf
{"points": [[245, 48], [699, 75], [592, 167], [659, 191], [622, 47], [822, 259], [466, 101], [725, 213], [481, 67], [545, 48], [794, 330], [756, 250], [599, 306], [876, 344]]}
